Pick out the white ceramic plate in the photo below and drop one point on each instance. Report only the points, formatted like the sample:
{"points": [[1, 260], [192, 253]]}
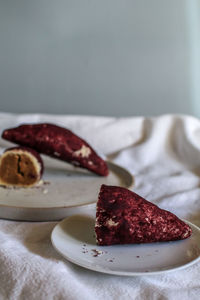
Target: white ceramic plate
{"points": [[65, 187], [74, 239]]}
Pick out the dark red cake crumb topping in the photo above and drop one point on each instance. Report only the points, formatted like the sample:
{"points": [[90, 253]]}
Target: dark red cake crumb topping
{"points": [[123, 217], [57, 142]]}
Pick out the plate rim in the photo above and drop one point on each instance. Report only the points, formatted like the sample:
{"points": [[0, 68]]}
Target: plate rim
{"points": [[122, 273], [110, 163]]}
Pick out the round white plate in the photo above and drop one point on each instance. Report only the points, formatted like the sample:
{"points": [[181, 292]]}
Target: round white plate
{"points": [[64, 187], [74, 239]]}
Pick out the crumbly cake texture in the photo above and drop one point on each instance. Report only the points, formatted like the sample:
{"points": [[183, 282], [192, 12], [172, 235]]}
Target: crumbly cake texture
{"points": [[57, 142], [20, 167], [123, 217]]}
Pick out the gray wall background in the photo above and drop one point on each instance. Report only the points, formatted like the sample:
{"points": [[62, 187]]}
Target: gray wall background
{"points": [[108, 57]]}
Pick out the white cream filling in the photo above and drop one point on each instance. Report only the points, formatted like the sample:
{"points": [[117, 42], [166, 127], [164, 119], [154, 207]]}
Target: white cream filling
{"points": [[83, 151], [111, 223]]}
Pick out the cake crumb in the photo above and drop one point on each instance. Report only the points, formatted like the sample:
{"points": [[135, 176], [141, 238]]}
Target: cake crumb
{"points": [[110, 259], [96, 252], [46, 182]]}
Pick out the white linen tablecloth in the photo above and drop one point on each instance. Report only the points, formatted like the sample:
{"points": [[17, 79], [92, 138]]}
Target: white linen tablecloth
{"points": [[163, 153]]}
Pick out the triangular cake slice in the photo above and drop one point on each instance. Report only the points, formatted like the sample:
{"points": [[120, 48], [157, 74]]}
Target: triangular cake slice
{"points": [[123, 217], [57, 142]]}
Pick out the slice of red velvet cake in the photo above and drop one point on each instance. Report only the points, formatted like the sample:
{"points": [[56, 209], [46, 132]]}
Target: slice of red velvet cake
{"points": [[57, 142], [123, 217]]}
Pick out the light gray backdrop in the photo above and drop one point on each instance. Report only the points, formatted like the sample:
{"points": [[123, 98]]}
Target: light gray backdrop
{"points": [[102, 57]]}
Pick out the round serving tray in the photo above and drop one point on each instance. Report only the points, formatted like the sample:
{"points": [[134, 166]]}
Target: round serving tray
{"points": [[63, 189]]}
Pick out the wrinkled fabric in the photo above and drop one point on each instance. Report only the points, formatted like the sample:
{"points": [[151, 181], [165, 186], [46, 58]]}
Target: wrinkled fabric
{"points": [[163, 154]]}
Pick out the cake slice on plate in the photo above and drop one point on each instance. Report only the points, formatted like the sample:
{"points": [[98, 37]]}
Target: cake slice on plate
{"points": [[57, 142], [123, 217]]}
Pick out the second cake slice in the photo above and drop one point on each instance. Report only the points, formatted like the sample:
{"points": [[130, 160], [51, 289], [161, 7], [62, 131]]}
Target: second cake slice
{"points": [[123, 217]]}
